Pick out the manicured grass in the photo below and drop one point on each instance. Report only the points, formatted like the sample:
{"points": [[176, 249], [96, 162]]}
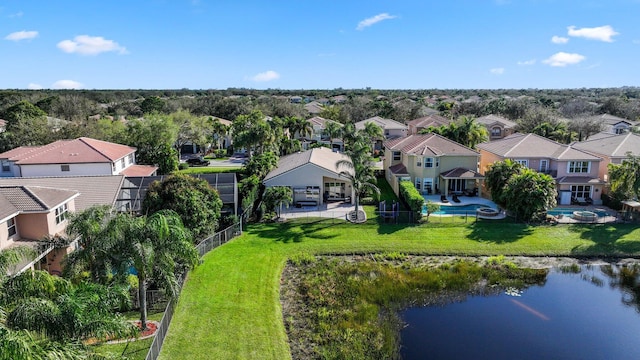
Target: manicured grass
{"points": [[209, 170], [134, 350], [230, 309]]}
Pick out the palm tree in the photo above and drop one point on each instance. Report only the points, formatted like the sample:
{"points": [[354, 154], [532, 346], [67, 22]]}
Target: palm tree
{"points": [[373, 132], [299, 126], [12, 256], [219, 131], [275, 197], [470, 132], [158, 247], [359, 172], [333, 130]]}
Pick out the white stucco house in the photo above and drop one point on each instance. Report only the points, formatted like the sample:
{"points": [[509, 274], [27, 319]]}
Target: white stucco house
{"points": [[313, 177], [78, 157]]}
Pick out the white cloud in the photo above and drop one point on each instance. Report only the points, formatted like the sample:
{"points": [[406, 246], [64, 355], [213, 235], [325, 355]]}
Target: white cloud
{"points": [[266, 76], [21, 35], [373, 20], [601, 33], [33, 86], [527, 62], [66, 84], [90, 45], [563, 59], [497, 71], [559, 40], [16, 15]]}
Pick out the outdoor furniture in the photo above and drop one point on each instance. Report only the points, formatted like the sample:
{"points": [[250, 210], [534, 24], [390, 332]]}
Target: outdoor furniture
{"points": [[443, 199], [455, 198], [473, 192]]}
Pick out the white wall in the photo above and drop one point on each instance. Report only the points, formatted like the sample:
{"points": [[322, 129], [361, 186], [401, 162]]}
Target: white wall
{"points": [[307, 175], [74, 170]]}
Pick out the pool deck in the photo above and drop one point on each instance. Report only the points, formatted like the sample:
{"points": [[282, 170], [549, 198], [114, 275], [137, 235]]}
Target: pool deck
{"points": [[466, 200], [611, 217]]}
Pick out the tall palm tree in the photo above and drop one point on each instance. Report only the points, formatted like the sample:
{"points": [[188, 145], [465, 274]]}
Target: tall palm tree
{"points": [[358, 171], [299, 126], [333, 130], [219, 131], [373, 132], [158, 247], [470, 132]]}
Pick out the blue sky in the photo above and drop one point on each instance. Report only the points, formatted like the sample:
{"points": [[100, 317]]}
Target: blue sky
{"points": [[282, 44]]}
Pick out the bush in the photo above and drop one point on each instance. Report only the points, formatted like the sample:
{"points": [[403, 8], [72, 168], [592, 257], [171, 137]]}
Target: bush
{"points": [[183, 166], [412, 197], [612, 201]]}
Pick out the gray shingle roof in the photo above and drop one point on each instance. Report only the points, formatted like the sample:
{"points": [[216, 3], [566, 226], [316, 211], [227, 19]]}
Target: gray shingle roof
{"points": [[612, 145], [94, 190], [534, 146], [428, 144]]}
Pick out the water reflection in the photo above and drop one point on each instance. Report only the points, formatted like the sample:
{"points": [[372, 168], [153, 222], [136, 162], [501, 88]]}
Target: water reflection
{"points": [[574, 315]]}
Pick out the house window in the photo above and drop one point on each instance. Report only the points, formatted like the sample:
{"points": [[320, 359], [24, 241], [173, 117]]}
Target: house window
{"points": [[544, 166], [428, 162], [418, 163], [11, 227], [523, 162], [437, 162], [130, 158], [418, 183], [397, 155], [581, 191], [428, 185], [61, 213], [64, 167], [578, 167], [113, 167], [496, 131], [5, 167], [122, 164]]}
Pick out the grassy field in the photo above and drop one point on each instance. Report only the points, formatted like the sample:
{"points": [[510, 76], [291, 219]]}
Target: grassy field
{"points": [[230, 309], [134, 350]]}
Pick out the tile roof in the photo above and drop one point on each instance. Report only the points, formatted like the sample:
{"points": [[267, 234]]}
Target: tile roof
{"points": [[398, 169], [428, 144], [612, 120], [492, 119], [461, 173], [385, 124], [612, 145], [434, 120], [322, 157], [35, 199], [81, 150], [321, 122], [223, 121], [139, 170], [579, 180], [534, 146], [314, 107], [93, 190]]}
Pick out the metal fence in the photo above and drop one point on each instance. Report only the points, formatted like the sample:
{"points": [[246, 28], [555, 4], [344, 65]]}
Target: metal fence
{"points": [[203, 247]]}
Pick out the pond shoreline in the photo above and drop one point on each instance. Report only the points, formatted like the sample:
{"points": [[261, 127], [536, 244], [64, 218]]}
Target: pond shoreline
{"points": [[294, 309]]}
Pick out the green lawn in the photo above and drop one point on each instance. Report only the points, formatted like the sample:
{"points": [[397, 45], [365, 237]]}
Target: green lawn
{"points": [[230, 309], [134, 350], [209, 170]]}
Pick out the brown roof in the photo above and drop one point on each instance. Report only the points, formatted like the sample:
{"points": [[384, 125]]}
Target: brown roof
{"points": [[534, 146], [385, 124], [492, 119], [35, 199], [322, 157], [579, 180], [320, 121], [428, 144], [93, 190], [398, 169], [139, 170], [461, 173], [81, 150], [434, 120]]}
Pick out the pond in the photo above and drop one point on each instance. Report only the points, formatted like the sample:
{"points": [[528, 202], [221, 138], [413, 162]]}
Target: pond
{"points": [[593, 314]]}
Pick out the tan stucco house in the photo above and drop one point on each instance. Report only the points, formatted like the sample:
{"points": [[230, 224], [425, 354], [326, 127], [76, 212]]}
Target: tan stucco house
{"points": [[313, 177], [433, 163], [497, 126]]}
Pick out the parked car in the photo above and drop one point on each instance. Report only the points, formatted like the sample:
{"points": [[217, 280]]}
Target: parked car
{"points": [[198, 161]]}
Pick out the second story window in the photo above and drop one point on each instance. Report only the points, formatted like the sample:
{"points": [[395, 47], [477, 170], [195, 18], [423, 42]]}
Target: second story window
{"points": [[578, 167], [61, 213], [428, 162], [130, 158], [496, 131], [5, 167], [397, 155], [11, 227], [523, 162], [64, 167], [122, 163]]}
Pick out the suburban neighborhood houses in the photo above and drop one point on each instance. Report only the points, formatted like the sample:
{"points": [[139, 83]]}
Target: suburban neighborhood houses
{"points": [[310, 169]]}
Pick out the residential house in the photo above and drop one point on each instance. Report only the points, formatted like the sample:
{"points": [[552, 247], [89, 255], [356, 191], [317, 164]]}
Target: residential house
{"points": [[433, 163], [616, 125], [391, 128], [295, 99], [575, 171], [3, 125], [432, 120], [79, 157], [613, 149], [314, 108], [313, 177], [319, 124], [28, 215], [497, 126]]}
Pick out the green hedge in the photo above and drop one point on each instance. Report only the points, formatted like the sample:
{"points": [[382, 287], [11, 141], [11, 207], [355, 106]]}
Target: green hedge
{"points": [[412, 197]]}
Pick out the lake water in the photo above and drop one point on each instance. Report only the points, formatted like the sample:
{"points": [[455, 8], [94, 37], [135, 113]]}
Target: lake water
{"points": [[573, 316]]}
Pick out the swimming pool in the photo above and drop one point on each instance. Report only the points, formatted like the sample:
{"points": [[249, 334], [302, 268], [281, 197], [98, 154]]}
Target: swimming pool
{"points": [[468, 209], [569, 211]]}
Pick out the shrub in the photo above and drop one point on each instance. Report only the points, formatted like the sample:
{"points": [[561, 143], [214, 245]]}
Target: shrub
{"points": [[412, 197], [183, 166]]}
